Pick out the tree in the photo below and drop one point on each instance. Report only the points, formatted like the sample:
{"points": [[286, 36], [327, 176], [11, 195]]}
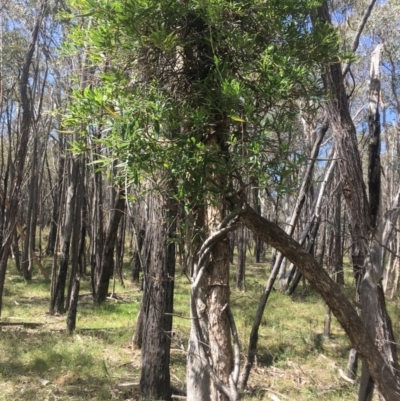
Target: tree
{"points": [[184, 99], [10, 218], [362, 210]]}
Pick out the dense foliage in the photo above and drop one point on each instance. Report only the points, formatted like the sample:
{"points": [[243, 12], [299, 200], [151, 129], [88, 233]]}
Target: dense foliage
{"points": [[167, 74]]}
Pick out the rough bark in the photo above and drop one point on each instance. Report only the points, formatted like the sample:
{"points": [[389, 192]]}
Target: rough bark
{"points": [[218, 286], [158, 301], [200, 353], [218, 324], [198, 379], [365, 249]]}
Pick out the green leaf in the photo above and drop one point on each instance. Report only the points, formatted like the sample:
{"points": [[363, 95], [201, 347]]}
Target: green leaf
{"points": [[236, 118]]}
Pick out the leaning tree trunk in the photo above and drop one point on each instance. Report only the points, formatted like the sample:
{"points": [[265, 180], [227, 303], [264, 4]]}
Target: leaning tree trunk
{"points": [[158, 300], [253, 340], [341, 307]]}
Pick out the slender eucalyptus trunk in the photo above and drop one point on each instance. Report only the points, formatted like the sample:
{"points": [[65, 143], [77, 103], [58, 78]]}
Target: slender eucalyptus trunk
{"points": [[335, 256], [259, 251], [58, 299], [137, 265], [107, 259], [253, 339], [71, 303], [241, 261], [22, 147], [26, 265], [57, 195], [97, 232]]}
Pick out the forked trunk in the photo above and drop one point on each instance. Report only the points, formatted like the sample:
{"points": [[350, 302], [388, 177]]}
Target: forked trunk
{"points": [[366, 249]]}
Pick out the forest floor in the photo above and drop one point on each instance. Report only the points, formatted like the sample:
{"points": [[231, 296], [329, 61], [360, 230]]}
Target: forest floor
{"points": [[39, 361]]}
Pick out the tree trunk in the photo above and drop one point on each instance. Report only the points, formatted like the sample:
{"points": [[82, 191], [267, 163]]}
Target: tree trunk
{"points": [[97, 235], [71, 303], [241, 261], [382, 374], [253, 339], [107, 259], [58, 299], [22, 146], [55, 220], [367, 264], [120, 250], [137, 266], [158, 300], [198, 379], [259, 252]]}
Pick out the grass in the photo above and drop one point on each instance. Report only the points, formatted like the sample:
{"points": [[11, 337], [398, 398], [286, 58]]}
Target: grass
{"points": [[97, 362]]}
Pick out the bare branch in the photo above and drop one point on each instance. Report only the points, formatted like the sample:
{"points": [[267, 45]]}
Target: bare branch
{"points": [[360, 30]]}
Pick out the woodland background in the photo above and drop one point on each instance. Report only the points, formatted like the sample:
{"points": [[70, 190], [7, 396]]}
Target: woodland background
{"points": [[199, 161]]}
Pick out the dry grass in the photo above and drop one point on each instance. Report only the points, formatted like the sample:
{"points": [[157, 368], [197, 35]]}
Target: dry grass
{"points": [[42, 362]]}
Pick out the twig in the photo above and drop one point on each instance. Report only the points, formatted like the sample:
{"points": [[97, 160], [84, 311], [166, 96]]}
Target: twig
{"points": [[360, 29]]}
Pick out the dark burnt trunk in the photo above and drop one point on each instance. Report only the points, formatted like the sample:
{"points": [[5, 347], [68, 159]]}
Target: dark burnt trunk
{"points": [[158, 300], [58, 298], [137, 266], [107, 259]]}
